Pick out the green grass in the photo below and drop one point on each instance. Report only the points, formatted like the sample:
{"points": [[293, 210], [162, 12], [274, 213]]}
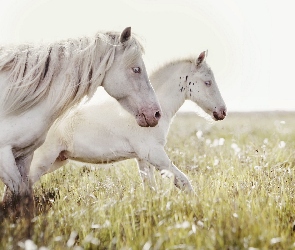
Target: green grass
{"points": [[242, 170]]}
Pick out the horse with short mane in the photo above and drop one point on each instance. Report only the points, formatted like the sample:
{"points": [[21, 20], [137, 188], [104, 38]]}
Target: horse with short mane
{"points": [[39, 83], [81, 136]]}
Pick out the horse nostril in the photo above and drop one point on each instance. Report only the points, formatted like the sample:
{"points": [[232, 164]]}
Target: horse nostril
{"points": [[158, 115], [224, 112], [215, 114]]}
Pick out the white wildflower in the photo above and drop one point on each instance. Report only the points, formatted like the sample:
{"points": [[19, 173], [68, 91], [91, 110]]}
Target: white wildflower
{"points": [[221, 141], [199, 134], [30, 245], [282, 144], [184, 225], [147, 245], [200, 223], [71, 241], [275, 240], [58, 238], [257, 167], [235, 147], [215, 143]]}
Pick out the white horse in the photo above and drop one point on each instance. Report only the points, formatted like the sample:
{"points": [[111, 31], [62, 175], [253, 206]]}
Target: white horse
{"points": [[83, 137], [40, 83]]}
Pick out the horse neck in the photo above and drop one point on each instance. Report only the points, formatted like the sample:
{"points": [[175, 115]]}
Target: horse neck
{"points": [[102, 61], [170, 85], [59, 75]]}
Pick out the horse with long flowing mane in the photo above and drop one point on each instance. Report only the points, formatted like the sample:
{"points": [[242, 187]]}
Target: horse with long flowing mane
{"points": [[39, 83], [82, 137]]}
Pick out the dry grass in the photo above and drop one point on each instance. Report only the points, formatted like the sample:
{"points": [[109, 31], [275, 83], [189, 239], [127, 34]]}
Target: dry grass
{"points": [[241, 168]]}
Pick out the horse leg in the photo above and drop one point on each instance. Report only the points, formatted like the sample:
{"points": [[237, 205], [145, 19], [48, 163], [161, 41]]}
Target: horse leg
{"points": [[10, 174], [147, 173], [24, 198], [158, 158], [45, 160]]}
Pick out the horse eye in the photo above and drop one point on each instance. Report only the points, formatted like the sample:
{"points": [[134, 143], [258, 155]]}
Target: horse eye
{"points": [[136, 70], [208, 83]]}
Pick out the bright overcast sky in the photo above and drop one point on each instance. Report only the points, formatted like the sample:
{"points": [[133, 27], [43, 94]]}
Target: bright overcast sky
{"points": [[250, 43]]}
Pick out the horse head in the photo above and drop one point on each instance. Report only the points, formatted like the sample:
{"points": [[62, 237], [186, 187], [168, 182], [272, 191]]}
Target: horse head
{"points": [[202, 89], [128, 82]]}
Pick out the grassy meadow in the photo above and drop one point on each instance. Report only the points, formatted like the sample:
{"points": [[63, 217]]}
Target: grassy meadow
{"points": [[242, 170]]}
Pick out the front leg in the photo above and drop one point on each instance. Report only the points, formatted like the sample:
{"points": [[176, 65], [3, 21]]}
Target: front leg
{"points": [[14, 174], [147, 173], [158, 157], [9, 173], [22, 200]]}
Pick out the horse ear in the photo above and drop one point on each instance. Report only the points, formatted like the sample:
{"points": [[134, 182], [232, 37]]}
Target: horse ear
{"points": [[125, 35], [201, 58]]}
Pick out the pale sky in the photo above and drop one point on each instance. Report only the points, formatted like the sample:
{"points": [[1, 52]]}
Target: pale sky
{"points": [[250, 43]]}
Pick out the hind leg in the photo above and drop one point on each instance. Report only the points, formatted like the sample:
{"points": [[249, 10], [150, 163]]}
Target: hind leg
{"points": [[45, 160], [60, 162]]}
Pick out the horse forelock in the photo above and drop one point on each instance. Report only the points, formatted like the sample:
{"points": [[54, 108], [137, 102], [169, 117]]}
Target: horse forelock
{"points": [[79, 63]]}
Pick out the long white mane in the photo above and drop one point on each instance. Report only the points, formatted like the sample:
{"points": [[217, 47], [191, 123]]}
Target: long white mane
{"points": [[79, 64]]}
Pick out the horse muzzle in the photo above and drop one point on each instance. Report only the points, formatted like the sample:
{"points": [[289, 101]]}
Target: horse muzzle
{"points": [[149, 118], [220, 115]]}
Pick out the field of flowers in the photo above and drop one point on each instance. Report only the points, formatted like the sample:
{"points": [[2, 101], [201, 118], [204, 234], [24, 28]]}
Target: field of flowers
{"points": [[242, 170]]}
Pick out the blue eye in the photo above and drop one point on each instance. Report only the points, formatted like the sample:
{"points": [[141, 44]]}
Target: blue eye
{"points": [[208, 83], [136, 69]]}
